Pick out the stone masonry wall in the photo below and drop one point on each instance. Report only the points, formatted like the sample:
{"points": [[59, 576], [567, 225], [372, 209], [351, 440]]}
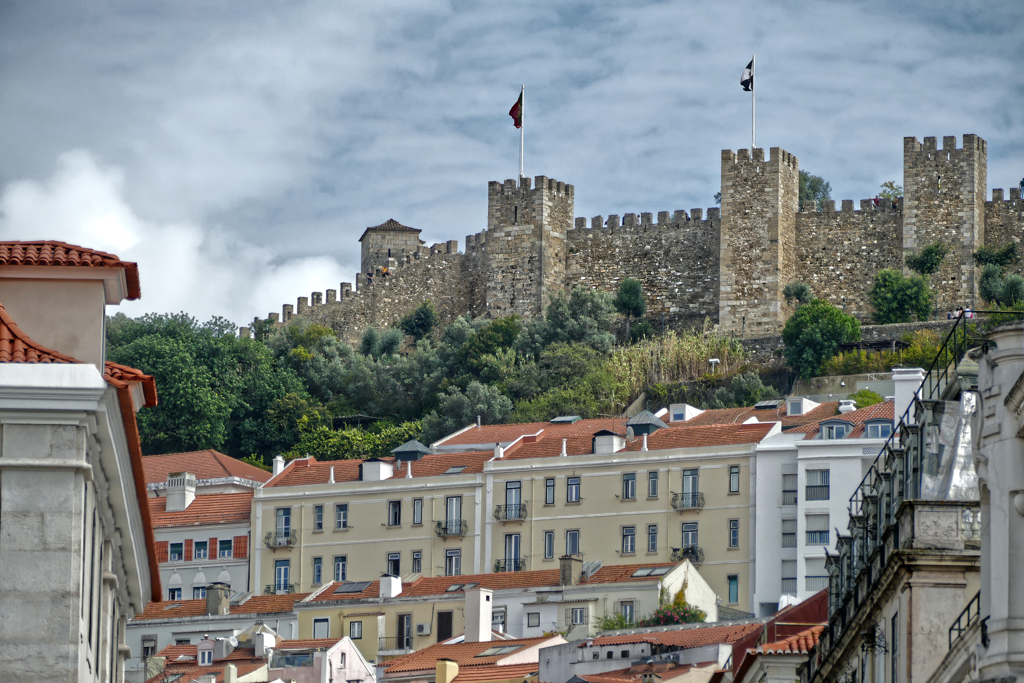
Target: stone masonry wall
{"points": [[380, 245], [1004, 223], [676, 260], [839, 252]]}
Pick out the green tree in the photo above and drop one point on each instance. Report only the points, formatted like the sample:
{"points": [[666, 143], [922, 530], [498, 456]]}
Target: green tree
{"points": [[865, 398], [458, 408], [421, 322], [814, 188], [585, 316], [1001, 257], [642, 330], [891, 190], [928, 261], [813, 333], [797, 291], [990, 284], [630, 301], [899, 299]]}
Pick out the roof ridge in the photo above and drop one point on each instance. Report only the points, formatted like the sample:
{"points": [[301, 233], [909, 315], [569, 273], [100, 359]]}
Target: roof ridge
{"points": [[56, 253]]}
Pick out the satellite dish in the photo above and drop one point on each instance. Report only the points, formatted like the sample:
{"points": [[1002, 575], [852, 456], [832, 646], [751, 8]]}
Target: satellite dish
{"points": [[629, 434], [233, 641]]}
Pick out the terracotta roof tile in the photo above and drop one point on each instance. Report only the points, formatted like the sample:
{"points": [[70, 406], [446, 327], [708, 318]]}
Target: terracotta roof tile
{"points": [[185, 673], [17, 347], [779, 414], [491, 434], [257, 604], [208, 509], [115, 372], [204, 464], [666, 670], [51, 253], [306, 471], [683, 638], [858, 418], [495, 672], [173, 652], [463, 654], [800, 644], [308, 644], [391, 225]]}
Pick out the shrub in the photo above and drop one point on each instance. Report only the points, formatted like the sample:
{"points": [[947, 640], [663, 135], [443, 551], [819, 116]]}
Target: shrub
{"points": [[812, 334], [865, 398], [928, 260], [421, 322], [899, 299], [798, 291]]}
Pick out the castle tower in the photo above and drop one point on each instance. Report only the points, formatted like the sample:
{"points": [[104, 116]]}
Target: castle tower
{"points": [[758, 244], [525, 243], [944, 201], [390, 239]]}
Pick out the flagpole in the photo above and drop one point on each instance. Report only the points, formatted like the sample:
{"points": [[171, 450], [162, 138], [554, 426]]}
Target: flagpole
{"points": [[522, 107], [753, 86]]}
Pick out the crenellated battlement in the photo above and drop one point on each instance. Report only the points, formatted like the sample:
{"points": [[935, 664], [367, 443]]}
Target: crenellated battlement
{"points": [[867, 206], [665, 219], [928, 148], [997, 195]]}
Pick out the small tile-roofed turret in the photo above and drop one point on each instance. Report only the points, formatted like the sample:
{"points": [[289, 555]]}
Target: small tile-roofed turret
{"points": [[410, 450], [645, 422]]}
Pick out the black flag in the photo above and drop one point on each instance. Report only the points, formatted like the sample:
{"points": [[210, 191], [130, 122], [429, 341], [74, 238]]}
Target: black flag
{"points": [[747, 79]]}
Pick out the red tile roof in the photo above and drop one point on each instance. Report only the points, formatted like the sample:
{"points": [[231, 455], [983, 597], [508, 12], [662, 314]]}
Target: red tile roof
{"points": [[779, 414], [308, 644], [683, 638], [306, 471], [495, 672], [208, 509], [666, 670], [463, 654], [173, 652], [800, 644], [204, 464], [390, 225], [858, 418], [17, 347], [257, 604], [491, 434], [185, 673], [51, 253], [116, 372]]}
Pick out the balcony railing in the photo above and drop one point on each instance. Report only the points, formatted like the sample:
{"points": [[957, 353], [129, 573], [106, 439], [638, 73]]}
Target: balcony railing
{"points": [[815, 583], [505, 513], [279, 588], [817, 537], [966, 618], [513, 565], [687, 501], [789, 497], [280, 539], [816, 492], [691, 552], [789, 586], [451, 527], [394, 644]]}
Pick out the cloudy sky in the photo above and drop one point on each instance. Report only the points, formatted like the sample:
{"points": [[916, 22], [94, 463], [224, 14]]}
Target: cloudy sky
{"points": [[237, 149]]}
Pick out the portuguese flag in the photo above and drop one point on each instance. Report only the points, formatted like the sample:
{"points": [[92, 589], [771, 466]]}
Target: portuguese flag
{"points": [[516, 112]]}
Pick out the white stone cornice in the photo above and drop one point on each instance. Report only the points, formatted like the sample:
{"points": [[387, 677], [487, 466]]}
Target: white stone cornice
{"points": [[48, 387]]}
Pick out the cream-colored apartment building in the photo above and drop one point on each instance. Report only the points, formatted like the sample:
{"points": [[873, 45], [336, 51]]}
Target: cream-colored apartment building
{"points": [[515, 497]]}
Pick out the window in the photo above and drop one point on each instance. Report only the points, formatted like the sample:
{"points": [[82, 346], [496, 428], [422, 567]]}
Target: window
{"points": [[789, 533], [879, 430], [549, 491], [417, 561], [689, 534], [174, 594], [789, 489], [341, 568], [341, 516], [624, 654], [512, 549], [894, 654], [817, 529], [318, 570], [283, 521], [205, 657], [627, 607], [282, 574], [175, 552], [734, 589], [498, 620], [834, 431], [572, 542], [533, 618], [198, 592], [224, 548], [453, 563], [417, 511], [652, 484], [182, 641], [578, 616], [395, 564], [199, 550], [318, 518], [734, 478], [629, 486], [149, 646], [734, 533], [817, 485], [572, 490], [394, 513], [652, 538], [513, 499], [549, 545], [321, 628], [355, 630], [789, 577], [628, 540]]}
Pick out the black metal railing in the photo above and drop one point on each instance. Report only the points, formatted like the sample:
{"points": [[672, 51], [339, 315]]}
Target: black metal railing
{"points": [[280, 539], [692, 553], [504, 513], [816, 492], [687, 501], [789, 497], [510, 565], [394, 643], [966, 618], [278, 588], [451, 527]]}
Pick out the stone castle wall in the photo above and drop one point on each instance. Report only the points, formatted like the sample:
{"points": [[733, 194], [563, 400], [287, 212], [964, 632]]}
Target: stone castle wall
{"points": [[1004, 224]]}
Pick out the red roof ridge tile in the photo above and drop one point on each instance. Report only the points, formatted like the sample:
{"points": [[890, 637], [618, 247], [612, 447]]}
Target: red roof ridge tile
{"points": [[55, 253]]}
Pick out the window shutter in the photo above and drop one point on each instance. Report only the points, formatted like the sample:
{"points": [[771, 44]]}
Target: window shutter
{"points": [[212, 551], [188, 549], [161, 551], [817, 522], [241, 547]]}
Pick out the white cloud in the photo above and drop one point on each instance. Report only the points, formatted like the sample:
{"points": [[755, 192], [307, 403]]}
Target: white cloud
{"points": [[188, 267]]}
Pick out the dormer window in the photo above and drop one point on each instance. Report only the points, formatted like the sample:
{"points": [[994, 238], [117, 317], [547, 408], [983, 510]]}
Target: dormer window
{"points": [[205, 657], [835, 430], [878, 430]]}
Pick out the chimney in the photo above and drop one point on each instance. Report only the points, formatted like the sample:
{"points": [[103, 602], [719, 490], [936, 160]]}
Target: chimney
{"points": [[390, 586], [478, 422], [563, 453], [644, 447], [499, 452], [222, 647], [264, 642], [278, 464], [181, 490], [375, 469], [570, 570], [331, 480], [446, 671], [408, 469], [218, 599], [847, 406], [231, 674], [478, 615], [908, 381]]}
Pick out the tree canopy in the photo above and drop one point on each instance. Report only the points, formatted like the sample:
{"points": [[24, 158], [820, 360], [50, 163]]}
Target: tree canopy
{"points": [[813, 333], [899, 299], [928, 261], [814, 188]]}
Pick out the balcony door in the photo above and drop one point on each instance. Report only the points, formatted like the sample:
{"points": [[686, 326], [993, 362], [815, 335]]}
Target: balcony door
{"points": [[513, 499], [284, 521], [454, 515], [404, 631], [512, 552], [689, 534], [690, 482], [282, 573], [444, 626]]}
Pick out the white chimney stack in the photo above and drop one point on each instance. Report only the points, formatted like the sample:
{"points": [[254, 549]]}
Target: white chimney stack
{"points": [[644, 447], [563, 453], [331, 480], [499, 452], [907, 381], [478, 615], [390, 586], [278, 464], [181, 490], [408, 470], [847, 406]]}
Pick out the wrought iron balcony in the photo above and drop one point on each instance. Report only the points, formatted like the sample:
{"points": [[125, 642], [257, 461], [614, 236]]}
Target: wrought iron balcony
{"points": [[687, 501], [280, 539], [451, 527], [692, 553], [505, 513], [394, 644], [513, 565], [279, 588]]}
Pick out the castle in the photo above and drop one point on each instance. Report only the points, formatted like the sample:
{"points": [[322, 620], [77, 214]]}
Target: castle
{"points": [[729, 264]]}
